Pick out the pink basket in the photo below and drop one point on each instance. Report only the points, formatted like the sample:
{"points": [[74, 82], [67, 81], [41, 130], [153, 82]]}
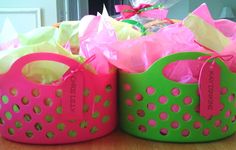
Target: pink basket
{"points": [[79, 108]]}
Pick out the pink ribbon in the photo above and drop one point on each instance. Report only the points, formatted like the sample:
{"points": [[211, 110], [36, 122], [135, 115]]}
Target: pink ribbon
{"points": [[143, 10]]}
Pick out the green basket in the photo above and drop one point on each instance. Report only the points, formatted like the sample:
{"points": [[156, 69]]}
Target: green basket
{"points": [[150, 108]]}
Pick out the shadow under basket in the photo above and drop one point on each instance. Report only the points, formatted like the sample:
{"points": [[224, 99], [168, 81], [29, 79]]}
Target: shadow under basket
{"points": [[79, 108], [156, 108]]}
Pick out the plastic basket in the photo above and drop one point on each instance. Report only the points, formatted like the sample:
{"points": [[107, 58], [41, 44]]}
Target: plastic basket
{"points": [[154, 107], [79, 108]]}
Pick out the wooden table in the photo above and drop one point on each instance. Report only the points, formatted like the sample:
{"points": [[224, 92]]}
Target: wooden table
{"points": [[121, 141]]}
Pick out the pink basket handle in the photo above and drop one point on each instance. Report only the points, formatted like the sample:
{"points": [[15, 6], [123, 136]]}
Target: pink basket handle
{"points": [[21, 62]]}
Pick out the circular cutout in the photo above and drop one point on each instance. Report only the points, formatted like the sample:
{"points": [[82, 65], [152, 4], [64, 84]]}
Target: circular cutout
{"points": [[175, 124], [129, 102], [50, 135], [152, 123], [106, 103], [1, 121], [231, 97], [13, 91], [164, 131], [59, 93], [185, 133], [60, 126], [108, 88], [25, 101], [105, 119], [48, 118], [175, 91], [18, 124], [85, 108], [11, 131], [131, 118], [86, 92], [188, 100], [151, 106], [218, 123], [27, 117], [59, 110], [83, 124], [48, 102], [225, 129], [139, 97], [36, 109], [5, 99], [97, 98], [227, 114], [233, 119], [35, 93], [197, 125], [142, 128], [150, 90], [8, 115], [16, 108], [72, 133], [29, 134], [163, 116], [223, 91], [206, 132], [175, 108], [95, 115], [127, 87], [187, 117], [140, 113], [163, 99], [93, 130], [38, 126]]}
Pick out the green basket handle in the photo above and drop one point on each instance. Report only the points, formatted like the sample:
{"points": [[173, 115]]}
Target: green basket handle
{"points": [[157, 68]]}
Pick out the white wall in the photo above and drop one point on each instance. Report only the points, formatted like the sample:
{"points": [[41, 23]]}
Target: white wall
{"points": [[48, 11]]}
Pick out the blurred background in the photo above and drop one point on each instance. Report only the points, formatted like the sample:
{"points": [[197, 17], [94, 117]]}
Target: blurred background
{"points": [[28, 14]]}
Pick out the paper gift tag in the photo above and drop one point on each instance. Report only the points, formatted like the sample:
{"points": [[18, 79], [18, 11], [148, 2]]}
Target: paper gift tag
{"points": [[72, 102], [209, 89]]}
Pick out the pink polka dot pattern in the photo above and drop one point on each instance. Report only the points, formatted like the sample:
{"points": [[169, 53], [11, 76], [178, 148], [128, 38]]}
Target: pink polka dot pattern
{"points": [[175, 124], [127, 87], [140, 113], [206, 132], [131, 118], [223, 91], [187, 117], [163, 116], [227, 114], [185, 132], [231, 97], [139, 97], [224, 129], [152, 123], [197, 125], [142, 128], [164, 131], [129, 102], [150, 90], [151, 106], [175, 108], [163, 100], [187, 100], [217, 123], [175, 91]]}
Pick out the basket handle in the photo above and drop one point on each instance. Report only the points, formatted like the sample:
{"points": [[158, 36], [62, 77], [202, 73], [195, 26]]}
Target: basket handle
{"points": [[157, 68], [21, 62]]}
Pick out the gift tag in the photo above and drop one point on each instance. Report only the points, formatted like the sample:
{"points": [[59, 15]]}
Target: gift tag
{"points": [[72, 101], [209, 89]]}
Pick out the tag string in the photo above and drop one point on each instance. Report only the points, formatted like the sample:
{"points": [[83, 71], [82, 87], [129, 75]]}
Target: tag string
{"points": [[71, 72]]}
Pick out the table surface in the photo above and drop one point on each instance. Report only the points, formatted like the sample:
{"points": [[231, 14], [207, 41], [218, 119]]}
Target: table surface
{"points": [[119, 140]]}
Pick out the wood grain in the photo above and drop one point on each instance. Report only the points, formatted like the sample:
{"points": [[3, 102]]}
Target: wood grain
{"points": [[122, 141]]}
